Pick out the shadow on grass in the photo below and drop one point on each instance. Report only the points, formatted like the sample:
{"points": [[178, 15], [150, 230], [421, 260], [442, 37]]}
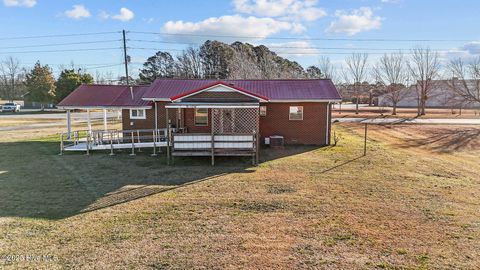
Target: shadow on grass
{"points": [[446, 140], [35, 182]]}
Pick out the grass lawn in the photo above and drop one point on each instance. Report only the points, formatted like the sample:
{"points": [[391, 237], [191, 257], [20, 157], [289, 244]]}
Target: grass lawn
{"points": [[403, 206]]}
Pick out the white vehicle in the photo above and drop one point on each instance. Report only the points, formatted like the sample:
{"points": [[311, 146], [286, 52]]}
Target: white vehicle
{"points": [[10, 107]]}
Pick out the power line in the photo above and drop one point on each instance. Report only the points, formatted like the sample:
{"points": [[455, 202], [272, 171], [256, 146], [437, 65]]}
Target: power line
{"points": [[277, 52], [290, 47], [61, 44], [66, 50], [298, 38], [59, 35]]}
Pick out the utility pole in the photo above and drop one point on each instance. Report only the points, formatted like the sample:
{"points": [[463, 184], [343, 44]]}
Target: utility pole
{"points": [[125, 55]]}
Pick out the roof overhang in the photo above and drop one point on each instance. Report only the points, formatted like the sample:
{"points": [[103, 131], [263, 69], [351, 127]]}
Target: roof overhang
{"points": [[156, 99], [304, 100], [103, 107], [213, 87], [200, 105]]}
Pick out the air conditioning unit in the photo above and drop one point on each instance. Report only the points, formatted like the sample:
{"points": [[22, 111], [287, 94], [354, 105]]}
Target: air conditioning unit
{"points": [[276, 141]]}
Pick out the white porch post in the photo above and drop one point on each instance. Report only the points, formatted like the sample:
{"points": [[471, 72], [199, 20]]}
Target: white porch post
{"points": [[69, 124], [89, 123], [105, 125], [156, 117]]}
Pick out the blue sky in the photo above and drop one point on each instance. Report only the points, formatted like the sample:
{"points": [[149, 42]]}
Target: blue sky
{"points": [[454, 22]]}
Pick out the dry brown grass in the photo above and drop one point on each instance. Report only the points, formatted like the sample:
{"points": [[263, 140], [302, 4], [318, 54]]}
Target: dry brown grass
{"points": [[386, 112], [329, 208]]}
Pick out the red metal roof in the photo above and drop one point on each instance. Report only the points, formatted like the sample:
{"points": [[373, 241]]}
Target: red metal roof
{"points": [[271, 89], [214, 84], [106, 96]]}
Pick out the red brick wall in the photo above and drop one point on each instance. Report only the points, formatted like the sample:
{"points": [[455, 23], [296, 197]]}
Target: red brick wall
{"points": [[149, 122], [310, 130], [189, 119]]}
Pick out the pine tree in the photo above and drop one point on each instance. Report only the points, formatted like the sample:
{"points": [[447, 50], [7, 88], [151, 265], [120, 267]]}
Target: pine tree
{"points": [[68, 81], [40, 84]]}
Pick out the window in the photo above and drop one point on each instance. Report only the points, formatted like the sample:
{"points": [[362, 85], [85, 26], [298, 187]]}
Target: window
{"points": [[201, 117], [296, 113], [263, 110], [137, 114]]}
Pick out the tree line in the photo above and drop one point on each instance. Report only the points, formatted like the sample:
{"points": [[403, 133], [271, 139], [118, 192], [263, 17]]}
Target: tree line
{"points": [[394, 75], [39, 83], [218, 60], [357, 78]]}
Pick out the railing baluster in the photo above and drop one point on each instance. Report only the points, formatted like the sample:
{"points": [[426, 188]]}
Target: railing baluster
{"points": [[138, 141]]}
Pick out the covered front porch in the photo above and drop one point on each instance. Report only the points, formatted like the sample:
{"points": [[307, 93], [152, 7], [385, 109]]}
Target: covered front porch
{"points": [[217, 129]]}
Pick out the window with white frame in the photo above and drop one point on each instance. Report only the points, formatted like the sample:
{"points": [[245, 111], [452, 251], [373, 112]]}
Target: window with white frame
{"points": [[137, 114], [296, 113], [201, 117], [263, 110]]}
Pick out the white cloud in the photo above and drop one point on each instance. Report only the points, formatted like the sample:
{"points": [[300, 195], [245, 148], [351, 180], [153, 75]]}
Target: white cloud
{"points": [[235, 25], [124, 15], [391, 1], [20, 3], [359, 20], [467, 52], [472, 47], [78, 12], [293, 49], [148, 20], [287, 9]]}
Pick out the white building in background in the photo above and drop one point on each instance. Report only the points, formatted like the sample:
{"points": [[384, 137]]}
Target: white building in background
{"points": [[441, 95]]}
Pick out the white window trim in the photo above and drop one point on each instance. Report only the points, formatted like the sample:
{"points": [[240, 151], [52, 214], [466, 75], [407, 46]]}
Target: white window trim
{"points": [[290, 115], [138, 117], [260, 110], [195, 118]]}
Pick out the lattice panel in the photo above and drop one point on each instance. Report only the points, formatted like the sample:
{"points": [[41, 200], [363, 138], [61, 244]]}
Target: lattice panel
{"points": [[235, 120]]}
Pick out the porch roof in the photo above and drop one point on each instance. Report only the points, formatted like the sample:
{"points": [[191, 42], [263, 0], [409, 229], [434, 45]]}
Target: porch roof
{"points": [[106, 97], [215, 105]]}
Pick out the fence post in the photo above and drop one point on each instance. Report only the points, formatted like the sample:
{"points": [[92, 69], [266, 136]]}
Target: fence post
{"points": [[61, 144], [133, 144], [365, 141]]}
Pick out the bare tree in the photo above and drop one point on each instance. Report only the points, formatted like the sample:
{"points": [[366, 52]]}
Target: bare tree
{"points": [[11, 78], [356, 73], [391, 72], [466, 80], [423, 67], [326, 67], [189, 64], [243, 66]]}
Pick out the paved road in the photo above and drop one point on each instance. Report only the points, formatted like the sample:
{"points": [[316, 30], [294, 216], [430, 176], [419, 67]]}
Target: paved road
{"points": [[60, 116], [409, 121]]}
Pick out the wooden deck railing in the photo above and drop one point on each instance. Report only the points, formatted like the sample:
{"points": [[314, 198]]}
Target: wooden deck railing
{"points": [[204, 144]]}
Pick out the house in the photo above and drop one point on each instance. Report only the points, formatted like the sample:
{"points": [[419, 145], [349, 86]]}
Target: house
{"points": [[210, 117], [441, 95]]}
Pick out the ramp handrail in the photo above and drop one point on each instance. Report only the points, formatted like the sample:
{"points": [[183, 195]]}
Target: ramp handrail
{"points": [[111, 137]]}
